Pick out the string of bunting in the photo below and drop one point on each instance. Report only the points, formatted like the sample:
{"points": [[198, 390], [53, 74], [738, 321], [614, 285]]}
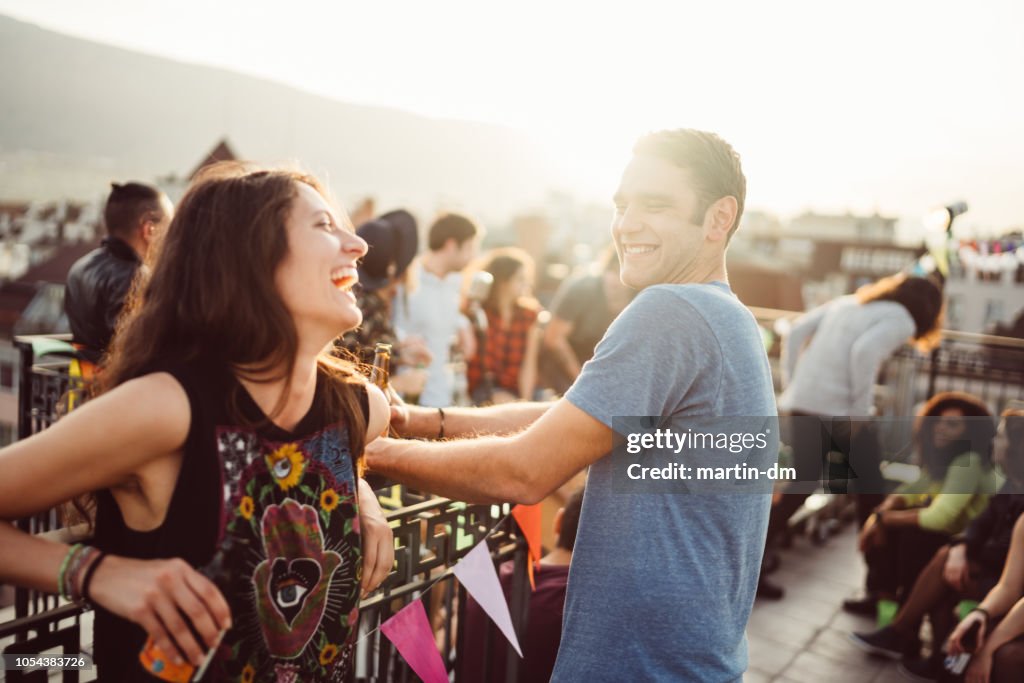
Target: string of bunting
{"points": [[409, 628]]}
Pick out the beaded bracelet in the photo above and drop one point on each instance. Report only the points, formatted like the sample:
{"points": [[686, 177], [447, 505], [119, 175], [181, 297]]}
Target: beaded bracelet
{"points": [[80, 562], [62, 574]]}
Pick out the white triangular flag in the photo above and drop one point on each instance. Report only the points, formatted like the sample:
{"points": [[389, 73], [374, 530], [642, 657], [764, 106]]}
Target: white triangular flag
{"points": [[477, 574]]}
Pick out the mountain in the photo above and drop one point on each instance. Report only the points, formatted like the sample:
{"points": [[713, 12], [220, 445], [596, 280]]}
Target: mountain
{"points": [[75, 115]]}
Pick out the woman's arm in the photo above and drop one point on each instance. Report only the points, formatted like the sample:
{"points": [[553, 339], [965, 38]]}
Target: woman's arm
{"points": [[104, 443], [1010, 628], [101, 444], [799, 333], [377, 538], [1000, 600]]}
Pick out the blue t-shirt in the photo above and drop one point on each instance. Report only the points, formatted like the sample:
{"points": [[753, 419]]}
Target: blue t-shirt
{"points": [[662, 584]]}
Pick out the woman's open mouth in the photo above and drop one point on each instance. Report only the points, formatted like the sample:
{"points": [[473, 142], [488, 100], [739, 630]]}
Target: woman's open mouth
{"points": [[344, 278]]}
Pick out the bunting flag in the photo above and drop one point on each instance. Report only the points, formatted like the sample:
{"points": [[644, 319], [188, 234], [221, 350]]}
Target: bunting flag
{"points": [[528, 518], [476, 573], [410, 632]]}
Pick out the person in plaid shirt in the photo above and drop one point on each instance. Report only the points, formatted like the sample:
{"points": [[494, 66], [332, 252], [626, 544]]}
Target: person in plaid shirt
{"points": [[505, 366]]}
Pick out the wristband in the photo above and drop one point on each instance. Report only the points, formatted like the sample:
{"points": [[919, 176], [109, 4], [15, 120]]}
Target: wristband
{"points": [[81, 560], [983, 612], [440, 430], [87, 579]]}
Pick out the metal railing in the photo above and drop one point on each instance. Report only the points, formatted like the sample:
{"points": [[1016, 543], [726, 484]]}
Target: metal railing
{"points": [[431, 534]]}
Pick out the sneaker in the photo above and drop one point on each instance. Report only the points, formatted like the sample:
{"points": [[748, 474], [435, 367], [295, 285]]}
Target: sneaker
{"points": [[769, 591], [920, 669], [865, 607], [886, 642]]}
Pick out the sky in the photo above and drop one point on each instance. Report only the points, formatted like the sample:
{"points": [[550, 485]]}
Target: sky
{"points": [[893, 106]]}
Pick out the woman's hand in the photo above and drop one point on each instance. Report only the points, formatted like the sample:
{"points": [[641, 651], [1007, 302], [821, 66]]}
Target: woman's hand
{"points": [[955, 643], [956, 572], [158, 595], [378, 540]]}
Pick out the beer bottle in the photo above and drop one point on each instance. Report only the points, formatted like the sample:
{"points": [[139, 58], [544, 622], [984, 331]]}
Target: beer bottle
{"points": [[380, 373]]}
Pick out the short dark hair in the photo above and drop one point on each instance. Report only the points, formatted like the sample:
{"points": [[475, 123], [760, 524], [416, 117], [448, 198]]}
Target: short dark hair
{"points": [[451, 226], [128, 204], [713, 164], [570, 521]]}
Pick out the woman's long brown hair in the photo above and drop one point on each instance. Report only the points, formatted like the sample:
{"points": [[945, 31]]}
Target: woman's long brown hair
{"points": [[211, 296], [921, 296]]}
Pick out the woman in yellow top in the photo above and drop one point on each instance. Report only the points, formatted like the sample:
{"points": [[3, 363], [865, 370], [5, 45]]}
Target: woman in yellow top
{"points": [[953, 436]]}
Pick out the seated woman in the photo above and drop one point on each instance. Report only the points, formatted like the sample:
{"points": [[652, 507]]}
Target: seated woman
{"points": [[226, 439], [953, 438], [505, 366], [999, 653], [967, 568]]}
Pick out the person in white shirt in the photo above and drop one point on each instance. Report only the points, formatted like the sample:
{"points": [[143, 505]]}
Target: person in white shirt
{"points": [[431, 312]]}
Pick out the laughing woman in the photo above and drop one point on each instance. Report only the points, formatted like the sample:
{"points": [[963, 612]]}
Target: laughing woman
{"points": [[225, 440]]}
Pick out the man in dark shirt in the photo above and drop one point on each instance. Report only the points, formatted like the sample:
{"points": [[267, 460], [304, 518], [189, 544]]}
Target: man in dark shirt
{"points": [[581, 312], [544, 621], [98, 283]]}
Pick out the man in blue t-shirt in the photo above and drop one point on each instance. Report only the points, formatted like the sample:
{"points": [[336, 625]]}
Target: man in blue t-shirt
{"points": [[665, 567]]}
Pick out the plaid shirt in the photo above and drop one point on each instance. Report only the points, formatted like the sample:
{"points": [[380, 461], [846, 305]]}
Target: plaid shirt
{"points": [[503, 351]]}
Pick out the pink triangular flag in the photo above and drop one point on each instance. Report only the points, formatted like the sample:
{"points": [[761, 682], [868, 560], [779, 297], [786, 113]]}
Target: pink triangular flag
{"points": [[476, 572], [410, 631]]}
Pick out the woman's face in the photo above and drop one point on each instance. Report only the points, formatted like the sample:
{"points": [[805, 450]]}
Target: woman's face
{"points": [[518, 286], [948, 427], [315, 278]]}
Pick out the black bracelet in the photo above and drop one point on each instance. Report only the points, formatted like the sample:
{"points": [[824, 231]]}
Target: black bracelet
{"points": [[983, 611], [440, 430], [87, 579]]}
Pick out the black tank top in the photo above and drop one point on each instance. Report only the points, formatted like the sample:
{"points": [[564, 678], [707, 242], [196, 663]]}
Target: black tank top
{"points": [[280, 507]]}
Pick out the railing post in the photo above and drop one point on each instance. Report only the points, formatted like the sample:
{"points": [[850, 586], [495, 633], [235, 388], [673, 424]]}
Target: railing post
{"points": [[933, 371]]}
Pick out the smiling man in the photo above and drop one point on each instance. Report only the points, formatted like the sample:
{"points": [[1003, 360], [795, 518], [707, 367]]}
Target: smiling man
{"points": [[661, 584]]}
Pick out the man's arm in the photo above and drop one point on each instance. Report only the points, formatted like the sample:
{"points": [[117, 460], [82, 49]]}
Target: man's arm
{"points": [[523, 467], [425, 423]]}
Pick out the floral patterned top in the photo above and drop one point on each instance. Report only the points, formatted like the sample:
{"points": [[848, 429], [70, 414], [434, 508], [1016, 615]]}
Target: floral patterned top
{"points": [[276, 512]]}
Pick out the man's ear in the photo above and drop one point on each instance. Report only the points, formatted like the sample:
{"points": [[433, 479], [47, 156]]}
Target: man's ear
{"points": [[558, 522], [147, 228], [720, 218]]}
